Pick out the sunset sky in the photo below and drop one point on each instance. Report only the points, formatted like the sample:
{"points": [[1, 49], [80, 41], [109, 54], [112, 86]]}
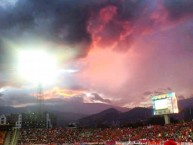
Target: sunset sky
{"points": [[119, 52]]}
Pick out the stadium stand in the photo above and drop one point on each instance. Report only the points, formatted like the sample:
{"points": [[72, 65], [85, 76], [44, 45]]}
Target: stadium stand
{"points": [[152, 135], [11, 137], [2, 137]]}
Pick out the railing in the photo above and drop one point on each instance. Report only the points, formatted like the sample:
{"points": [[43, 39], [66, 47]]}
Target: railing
{"points": [[12, 137]]}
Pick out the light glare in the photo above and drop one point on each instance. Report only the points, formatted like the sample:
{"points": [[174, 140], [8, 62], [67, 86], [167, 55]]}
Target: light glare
{"points": [[37, 67]]}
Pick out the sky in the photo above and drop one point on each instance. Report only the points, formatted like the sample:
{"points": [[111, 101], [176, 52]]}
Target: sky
{"points": [[124, 51]]}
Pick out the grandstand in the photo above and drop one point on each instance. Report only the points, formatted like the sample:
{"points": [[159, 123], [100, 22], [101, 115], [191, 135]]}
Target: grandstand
{"points": [[2, 137], [10, 125], [181, 133], [12, 137]]}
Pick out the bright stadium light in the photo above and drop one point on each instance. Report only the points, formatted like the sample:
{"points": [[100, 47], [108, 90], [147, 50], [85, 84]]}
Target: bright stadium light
{"points": [[69, 70], [37, 67]]}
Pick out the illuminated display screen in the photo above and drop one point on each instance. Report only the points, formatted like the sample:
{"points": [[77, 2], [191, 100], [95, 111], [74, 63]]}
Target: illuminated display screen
{"points": [[161, 104], [165, 104]]}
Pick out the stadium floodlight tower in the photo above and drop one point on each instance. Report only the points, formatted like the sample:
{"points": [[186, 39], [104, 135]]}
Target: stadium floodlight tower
{"points": [[39, 68], [165, 104]]}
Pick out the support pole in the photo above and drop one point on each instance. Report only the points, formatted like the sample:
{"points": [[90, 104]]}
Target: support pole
{"points": [[167, 119], [40, 98]]}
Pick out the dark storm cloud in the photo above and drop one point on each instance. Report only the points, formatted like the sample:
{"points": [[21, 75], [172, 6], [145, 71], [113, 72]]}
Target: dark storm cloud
{"points": [[2, 102], [169, 89], [4, 60], [179, 8], [54, 101], [158, 91], [61, 21], [181, 97], [97, 97], [126, 9], [60, 100], [147, 93], [114, 23], [130, 9], [58, 21], [14, 97], [66, 21]]}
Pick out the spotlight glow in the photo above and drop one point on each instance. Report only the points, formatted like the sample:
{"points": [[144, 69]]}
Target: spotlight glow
{"points": [[37, 67]]}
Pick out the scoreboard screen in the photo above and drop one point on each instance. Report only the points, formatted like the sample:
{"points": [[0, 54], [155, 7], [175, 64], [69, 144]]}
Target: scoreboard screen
{"points": [[165, 104], [161, 104]]}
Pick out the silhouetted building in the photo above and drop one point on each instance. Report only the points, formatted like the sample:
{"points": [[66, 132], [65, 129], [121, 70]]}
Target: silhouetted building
{"points": [[36, 120]]}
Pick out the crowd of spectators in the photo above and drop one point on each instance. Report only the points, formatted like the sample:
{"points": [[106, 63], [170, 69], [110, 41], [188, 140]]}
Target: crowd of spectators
{"points": [[182, 132], [2, 137]]}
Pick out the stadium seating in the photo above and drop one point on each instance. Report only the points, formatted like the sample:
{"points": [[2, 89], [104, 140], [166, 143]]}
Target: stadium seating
{"points": [[182, 132], [2, 137]]}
